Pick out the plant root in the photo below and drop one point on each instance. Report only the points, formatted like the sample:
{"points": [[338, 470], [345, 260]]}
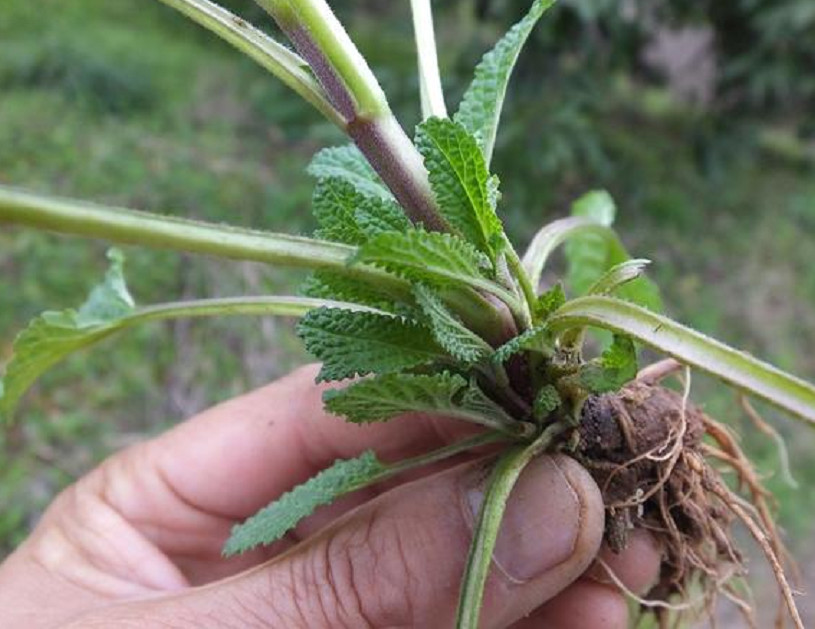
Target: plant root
{"points": [[644, 447]]}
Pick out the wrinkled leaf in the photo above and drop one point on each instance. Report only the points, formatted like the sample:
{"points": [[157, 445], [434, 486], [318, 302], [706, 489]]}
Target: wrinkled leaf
{"points": [[348, 163], [461, 343], [461, 183], [480, 108], [358, 343], [274, 521]]}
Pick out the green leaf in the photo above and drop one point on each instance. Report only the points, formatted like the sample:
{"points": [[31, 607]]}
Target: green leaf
{"points": [[534, 339], [345, 476], [546, 401], [554, 234], [618, 276], [348, 163], [358, 343], [53, 336], [334, 206], [431, 257], [347, 216], [382, 397], [615, 367], [332, 285], [590, 255], [480, 108], [375, 216], [274, 521], [549, 301], [692, 348], [461, 182], [462, 344]]}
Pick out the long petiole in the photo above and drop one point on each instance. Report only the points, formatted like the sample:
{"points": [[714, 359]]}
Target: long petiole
{"points": [[517, 269], [167, 232], [481, 439], [429, 79], [255, 44], [505, 474]]}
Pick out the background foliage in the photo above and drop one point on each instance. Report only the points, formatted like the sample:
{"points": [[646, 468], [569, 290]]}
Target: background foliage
{"points": [[710, 160]]}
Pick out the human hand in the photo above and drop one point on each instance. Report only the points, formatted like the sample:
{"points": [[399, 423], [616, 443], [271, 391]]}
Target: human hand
{"points": [[137, 542]]}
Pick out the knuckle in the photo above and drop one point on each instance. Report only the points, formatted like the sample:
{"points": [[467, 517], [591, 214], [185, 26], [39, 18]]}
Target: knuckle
{"points": [[363, 577]]}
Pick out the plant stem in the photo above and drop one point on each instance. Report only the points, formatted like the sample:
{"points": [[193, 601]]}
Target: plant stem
{"points": [[165, 232], [518, 271], [554, 234], [314, 21], [394, 157], [277, 59], [281, 306], [690, 347], [479, 440], [353, 89], [429, 79], [504, 475]]}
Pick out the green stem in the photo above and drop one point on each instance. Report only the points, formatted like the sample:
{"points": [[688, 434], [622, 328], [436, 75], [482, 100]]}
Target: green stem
{"points": [[429, 79], [690, 347], [164, 232], [330, 38], [277, 59], [504, 475], [518, 271], [282, 306], [554, 234], [479, 440]]}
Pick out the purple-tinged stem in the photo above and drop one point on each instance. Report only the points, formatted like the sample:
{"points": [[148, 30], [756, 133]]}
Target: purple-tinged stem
{"points": [[396, 160]]}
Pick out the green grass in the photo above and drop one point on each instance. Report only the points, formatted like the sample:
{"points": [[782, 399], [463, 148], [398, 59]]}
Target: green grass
{"points": [[124, 102]]}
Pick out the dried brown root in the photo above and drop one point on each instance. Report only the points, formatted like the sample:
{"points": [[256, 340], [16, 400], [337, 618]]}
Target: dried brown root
{"points": [[644, 447]]}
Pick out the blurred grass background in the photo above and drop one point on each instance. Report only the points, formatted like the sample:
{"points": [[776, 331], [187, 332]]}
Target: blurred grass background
{"points": [[124, 102]]}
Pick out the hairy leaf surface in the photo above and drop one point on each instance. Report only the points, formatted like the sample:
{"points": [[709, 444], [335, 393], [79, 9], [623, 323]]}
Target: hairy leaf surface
{"points": [[481, 106], [348, 163], [461, 343], [375, 216], [274, 521], [358, 343], [461, 182], [332, 285], [334, 205], [382, 397], [432, 257], [546, 401], [535, 338], [550, 301]]}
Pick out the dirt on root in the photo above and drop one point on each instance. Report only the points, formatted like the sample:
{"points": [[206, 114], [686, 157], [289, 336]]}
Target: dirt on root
{"points": [[645, 447]]}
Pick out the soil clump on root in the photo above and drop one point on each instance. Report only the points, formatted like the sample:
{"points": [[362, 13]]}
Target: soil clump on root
{"points": [[652, 453]]}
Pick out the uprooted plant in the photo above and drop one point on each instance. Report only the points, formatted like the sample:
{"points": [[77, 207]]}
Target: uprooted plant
{"points": [[418, 296]]}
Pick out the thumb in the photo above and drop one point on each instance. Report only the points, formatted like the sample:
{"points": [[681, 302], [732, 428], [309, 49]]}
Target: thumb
{"points": [[398, 560]]}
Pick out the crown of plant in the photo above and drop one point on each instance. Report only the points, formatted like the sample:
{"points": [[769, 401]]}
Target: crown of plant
{"points": [[417, 301]]}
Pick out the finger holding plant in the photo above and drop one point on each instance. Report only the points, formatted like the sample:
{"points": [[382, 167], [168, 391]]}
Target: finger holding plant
{"points": [[418, 298]]}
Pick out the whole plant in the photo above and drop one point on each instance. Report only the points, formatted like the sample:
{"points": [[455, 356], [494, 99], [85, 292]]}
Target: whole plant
{"points": [[418, 302]]}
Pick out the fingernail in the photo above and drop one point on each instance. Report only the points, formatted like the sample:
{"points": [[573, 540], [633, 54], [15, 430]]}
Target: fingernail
{"points": [[541, 523]]}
